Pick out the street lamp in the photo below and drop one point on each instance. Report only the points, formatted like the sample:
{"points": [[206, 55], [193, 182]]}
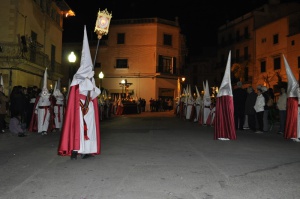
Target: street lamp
{"points": [[182, 82], [101, 76], [72, 59], [123, 82]]}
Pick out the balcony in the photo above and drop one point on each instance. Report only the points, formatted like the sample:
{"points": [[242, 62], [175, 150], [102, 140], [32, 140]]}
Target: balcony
{"points": [[30, 56]]}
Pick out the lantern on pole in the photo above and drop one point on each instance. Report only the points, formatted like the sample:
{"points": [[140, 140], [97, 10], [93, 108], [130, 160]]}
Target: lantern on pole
{"points": [[102, 23], [101, 27]]}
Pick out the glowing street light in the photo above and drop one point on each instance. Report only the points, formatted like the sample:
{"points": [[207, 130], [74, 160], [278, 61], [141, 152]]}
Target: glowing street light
{"points": [[72, 57], [101, 76]]}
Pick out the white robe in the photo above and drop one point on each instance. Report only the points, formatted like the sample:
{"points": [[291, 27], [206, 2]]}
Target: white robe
{"points": [[43, 113], [206, 109]]}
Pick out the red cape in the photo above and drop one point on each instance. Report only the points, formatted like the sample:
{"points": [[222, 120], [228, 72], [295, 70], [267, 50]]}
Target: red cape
{"points": [[290, 130], [70, 134], [33, 126], [224, 118]]}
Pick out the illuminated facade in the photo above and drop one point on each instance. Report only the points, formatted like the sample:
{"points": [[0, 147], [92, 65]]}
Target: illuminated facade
{"points": [[30, 41], [147, 52], [258, 39]]}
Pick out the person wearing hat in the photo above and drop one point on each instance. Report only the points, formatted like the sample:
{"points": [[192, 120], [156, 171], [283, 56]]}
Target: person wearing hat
{"points": [[224, 128], [81, 129]]}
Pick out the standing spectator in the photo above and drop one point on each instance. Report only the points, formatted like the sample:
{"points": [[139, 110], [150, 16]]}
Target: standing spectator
{"points": [[26, 120], [281, 106], [3, 111], [17, 102], [249, 108], [239, 100], [265, 93], [259, 108]]}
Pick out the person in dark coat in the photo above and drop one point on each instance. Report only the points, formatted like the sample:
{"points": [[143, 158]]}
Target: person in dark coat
{"points": [[249, 108], [239, 100]]}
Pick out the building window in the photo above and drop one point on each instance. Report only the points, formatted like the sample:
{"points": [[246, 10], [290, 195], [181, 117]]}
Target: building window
{"points": [[275, 39], [237, 35], [237, 55], [166, 64], [277, 63], [167, 40], [263, 40], [246, 32], [299, 62], [122, 63], [33, 40], [97, 65], [246, 53], [262, 66], [293, 42], [53, 51], [121, 38]]}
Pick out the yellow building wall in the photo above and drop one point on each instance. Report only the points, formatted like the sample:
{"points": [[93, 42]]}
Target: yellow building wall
{"points": [[267, 50]]}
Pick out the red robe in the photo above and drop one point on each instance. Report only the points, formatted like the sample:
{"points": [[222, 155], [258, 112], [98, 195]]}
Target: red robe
{"points": [[70, 134], [224, 118], [291, 118]]}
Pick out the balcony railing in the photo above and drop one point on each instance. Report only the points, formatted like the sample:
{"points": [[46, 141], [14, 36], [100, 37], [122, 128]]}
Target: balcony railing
{"points": [[31, 55]]}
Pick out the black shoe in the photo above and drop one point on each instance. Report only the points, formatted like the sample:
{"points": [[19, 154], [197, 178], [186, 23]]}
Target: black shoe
{"points": [[21, 135], [85, 156], [74, 155]]}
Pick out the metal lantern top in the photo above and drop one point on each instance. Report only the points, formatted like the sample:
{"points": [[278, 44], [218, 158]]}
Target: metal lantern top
{"points": [[102, 23]]}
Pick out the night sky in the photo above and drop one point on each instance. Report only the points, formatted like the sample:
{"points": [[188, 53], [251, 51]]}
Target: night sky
{"points": [[199, 19]]}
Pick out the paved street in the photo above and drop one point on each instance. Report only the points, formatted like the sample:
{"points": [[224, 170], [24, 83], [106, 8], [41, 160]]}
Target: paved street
{"points": [[153, 156]]}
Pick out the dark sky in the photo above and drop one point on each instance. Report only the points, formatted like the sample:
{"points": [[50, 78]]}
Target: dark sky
{"points": [[199, 19]]}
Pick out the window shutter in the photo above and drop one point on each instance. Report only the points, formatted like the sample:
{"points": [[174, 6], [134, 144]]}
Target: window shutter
{"points": [[160, 64], [174, 65]]}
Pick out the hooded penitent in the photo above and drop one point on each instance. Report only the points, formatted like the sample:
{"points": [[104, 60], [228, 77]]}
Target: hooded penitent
{"points": [[206, 103], [81, 131], [292, 111], [58, 105], [190, 111], [41, 120], [224, 118], [199, 107]]}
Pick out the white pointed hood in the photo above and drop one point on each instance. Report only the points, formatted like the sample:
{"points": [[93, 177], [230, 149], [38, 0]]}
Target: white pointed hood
{"points": [[197, 92], [56, 91], [86, 65], [206, 91], [45, 91], [226, 88], [85, 74], [292, 89]]}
